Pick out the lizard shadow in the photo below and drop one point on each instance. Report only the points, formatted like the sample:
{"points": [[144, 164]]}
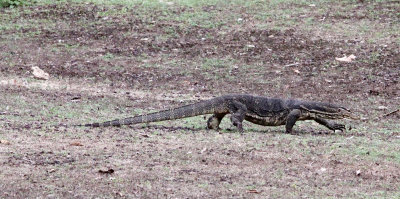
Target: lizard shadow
{"points": [[177, 128], [170, 128], [232, 130]]}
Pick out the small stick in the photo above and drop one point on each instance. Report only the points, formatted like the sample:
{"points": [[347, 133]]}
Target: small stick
{"points": [[387, 114], [294, 64]]}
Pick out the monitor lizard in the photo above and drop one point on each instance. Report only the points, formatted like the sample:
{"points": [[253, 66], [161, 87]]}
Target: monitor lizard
{"points": [[255, 109]]}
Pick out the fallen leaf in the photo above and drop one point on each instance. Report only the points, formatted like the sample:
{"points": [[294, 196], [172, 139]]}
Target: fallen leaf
{"points": [[106, 171], [296, 71], [382, 108], [253, 191], [358, 172], [145, 135], [119, 194], [76, 144], [39, 73], [347, 59], [250, 46], [6, 142]]}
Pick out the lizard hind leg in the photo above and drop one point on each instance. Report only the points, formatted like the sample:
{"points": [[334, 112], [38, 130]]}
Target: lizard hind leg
{"points": [[238, 112], [237, 120], [214, 121]]}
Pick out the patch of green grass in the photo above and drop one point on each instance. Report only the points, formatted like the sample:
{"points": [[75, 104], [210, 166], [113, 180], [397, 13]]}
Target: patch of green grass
{"points": [[19, 27], [211, 64], [13, 3], [108, 56], [373, 150], [115, 12], [201, 19], [107, 2], [203, 185]]}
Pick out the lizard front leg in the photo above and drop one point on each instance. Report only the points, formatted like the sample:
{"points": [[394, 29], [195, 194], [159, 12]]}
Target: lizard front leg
{"points": [[330, 125], [293, 116]]}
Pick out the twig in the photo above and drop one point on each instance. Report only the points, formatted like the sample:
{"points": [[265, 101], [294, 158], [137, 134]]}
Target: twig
{"points": [[294, 64], [387, 114]]}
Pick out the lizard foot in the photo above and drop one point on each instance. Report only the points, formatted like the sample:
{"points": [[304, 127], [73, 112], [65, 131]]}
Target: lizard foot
{"points": [[213, 123], [292, 132], [240, 128], [336, 126]]}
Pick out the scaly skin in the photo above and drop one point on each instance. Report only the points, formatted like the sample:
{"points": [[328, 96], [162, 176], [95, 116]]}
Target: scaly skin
{"points": [[256, 109]]}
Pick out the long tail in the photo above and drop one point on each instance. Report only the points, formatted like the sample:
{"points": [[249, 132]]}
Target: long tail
{"points": [[200, 108]]}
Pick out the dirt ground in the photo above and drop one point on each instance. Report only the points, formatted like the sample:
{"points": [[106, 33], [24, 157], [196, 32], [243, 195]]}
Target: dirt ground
{"points": [[114, 61]]}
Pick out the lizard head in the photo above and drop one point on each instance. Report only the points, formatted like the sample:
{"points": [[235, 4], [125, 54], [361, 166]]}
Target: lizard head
{"points": [[330, 111]]}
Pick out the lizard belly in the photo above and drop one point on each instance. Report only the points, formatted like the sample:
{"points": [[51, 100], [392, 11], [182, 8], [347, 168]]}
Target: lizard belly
{"points": [[275, 120]]}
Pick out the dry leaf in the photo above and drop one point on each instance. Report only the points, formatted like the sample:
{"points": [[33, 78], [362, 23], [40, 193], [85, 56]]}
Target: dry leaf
{"points": [[6, 142], [76, 144], [145, 135], [39, 73], [347, 59], [358, 172], [253, 191], [250, 46], [382, 108]]}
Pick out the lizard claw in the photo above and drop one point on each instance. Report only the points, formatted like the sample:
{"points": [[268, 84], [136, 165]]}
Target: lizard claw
{"points": [[240, 128], [340, 127]]}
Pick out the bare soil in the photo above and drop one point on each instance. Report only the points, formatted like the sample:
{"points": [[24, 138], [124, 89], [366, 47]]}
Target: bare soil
{"points": [[106, 67]]}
